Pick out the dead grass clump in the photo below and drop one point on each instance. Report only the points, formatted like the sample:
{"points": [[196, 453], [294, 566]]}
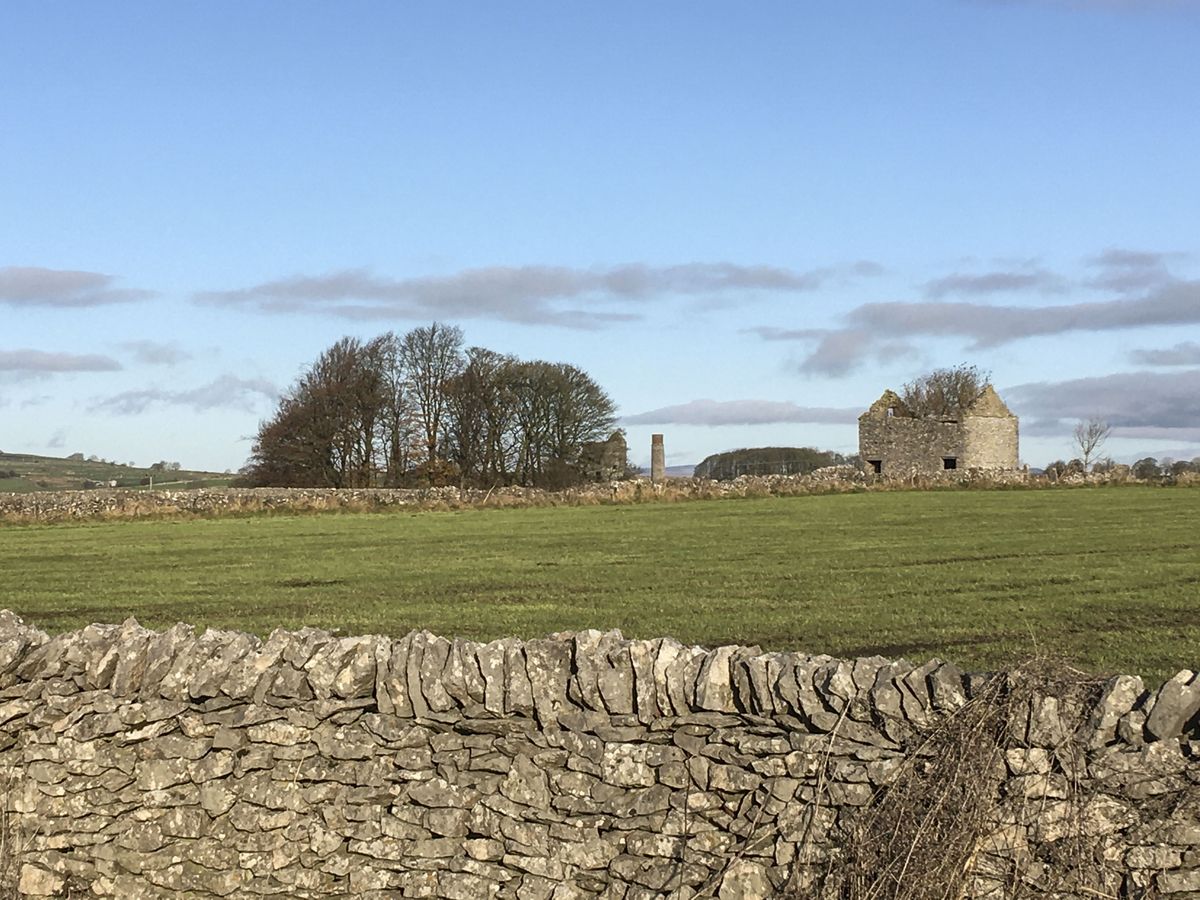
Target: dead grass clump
{"points": [[946, 827]]}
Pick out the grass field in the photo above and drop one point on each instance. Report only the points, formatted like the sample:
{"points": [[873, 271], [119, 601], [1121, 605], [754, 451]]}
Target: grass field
{"points": [[24, 473], [1107, 578]]}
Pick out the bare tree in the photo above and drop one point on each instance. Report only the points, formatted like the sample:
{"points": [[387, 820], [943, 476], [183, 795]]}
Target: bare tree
{"points": [[945, 392], [1090, 435], [432, 356]]}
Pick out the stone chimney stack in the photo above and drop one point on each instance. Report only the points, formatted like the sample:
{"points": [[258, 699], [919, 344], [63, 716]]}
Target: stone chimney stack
{"points": [[658, 459]]}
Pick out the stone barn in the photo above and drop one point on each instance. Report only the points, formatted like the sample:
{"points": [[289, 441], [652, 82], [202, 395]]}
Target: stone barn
{"points": [[895, 443]]}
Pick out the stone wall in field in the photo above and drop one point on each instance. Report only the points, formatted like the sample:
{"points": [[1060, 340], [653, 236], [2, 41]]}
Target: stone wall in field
{"points": [[168, 764], [118, 504]]}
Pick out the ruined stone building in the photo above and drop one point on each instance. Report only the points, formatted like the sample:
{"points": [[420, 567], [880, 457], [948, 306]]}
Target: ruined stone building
{"points": [[606, 460], [893, 442]]}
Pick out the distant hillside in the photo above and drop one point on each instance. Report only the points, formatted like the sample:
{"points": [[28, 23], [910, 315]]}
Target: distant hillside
{"points": [[767, 461], [22, 473]]}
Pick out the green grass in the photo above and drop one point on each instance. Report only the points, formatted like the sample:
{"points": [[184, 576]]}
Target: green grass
{"points": [[50, 473], [1105, 578]]}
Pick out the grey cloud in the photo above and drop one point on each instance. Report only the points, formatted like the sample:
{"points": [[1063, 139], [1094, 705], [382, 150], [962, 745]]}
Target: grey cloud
{"points": [[1127, 400], [1127, 271], [226, 392], [153, 353], [1186, 353], [552, 295], [883, 330], [838, 352], [39, 362], [1177, 303], [57, 441], [770, 333], [742, 412], [1015, 281], [29, 286]]}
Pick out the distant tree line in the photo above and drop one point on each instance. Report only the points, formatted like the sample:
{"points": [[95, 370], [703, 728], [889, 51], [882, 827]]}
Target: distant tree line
{"points": [[1146, 469], [419, 409], [768, 461]]}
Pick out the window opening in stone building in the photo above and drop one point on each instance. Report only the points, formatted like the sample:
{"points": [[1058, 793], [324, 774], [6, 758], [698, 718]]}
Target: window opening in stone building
{"points": [[891, 411], [949, 462], [876, 465]]}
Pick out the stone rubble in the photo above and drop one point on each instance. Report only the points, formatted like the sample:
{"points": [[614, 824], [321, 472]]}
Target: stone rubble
{"points": [[141, 764]]}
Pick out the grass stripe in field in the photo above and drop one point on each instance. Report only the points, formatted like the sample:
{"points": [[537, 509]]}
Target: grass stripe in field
{"points": [[1107, 578]]}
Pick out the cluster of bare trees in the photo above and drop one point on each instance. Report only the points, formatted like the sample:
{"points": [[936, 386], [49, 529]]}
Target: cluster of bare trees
{"points": [[944, 392], [419, 409]]}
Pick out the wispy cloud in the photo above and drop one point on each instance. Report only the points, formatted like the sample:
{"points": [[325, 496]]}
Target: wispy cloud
{"points": [[542, 295], [743, 412], [30, 286], [40, 362], [1186, 353], [226, 392], [153, 353], [1021, 280]]}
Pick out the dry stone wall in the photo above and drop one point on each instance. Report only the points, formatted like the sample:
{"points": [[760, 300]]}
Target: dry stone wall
{"points": [[145, 764]]}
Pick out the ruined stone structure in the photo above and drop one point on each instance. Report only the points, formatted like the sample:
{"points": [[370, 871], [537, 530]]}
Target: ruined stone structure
{"points": [[605, 460], [894, 443], [141, 764]]}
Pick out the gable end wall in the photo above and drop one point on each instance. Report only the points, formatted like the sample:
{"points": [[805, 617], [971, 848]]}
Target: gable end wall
{"points": [[990, 442]]}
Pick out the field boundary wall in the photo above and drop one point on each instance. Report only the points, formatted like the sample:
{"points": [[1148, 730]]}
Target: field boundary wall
{"points": [[53, 506], [172, 763]]}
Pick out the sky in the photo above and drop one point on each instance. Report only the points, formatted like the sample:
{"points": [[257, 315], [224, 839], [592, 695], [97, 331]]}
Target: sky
{"points": [[744, 221]]}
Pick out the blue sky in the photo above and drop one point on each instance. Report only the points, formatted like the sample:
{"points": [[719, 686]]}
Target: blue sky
{"points": [[744, 220]]}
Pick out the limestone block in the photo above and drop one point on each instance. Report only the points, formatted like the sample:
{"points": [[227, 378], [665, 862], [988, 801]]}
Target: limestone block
{"points": [[518, 689], [37, 882], [526, 784], [681, 676], [356, 676], [642, 655], [1178, 882], [491, 658], [615, 681], [225, 650], [392, 681], [1176, 705], [434, 653], [946, 689], [161, 652], [16, 641], [625, 765], [454, 674], [714, 682], [464, 886], [762, 671], [834, 682], [746, 880], [548, 664], [1121, 694]]}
